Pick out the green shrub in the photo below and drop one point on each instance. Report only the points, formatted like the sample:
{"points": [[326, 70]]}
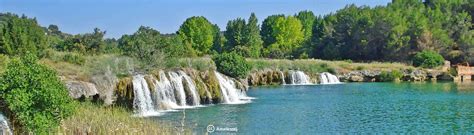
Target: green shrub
{"points": [[232, 64], [428, 59], [74, 59], [3, 62], [394, 75], [34, 96]]}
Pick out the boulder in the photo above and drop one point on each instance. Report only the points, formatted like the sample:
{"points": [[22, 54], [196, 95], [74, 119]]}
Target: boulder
{"points": [[356, 78], [80, 89]]}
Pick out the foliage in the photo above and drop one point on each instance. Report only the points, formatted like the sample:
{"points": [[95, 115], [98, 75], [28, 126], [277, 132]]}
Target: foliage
{"points": [[33, 93], [89, 43], [288, 36], [146, 45], [428, 59], [395, 32], [232, 64], [307, 19], [199, 33], [74, 59], [19, 35], [243, 38], [394, 75]]}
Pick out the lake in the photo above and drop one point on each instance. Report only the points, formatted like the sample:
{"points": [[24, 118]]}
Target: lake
{"points": [[341, 108]]}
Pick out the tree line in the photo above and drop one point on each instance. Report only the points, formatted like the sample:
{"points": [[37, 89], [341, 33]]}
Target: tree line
{"points": [[395, 32]]}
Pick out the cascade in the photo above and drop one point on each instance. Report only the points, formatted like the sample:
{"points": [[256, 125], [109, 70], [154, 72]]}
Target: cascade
{"points": [[176, 90], [299, 78], [164, 93], [192, 88], [142, 101], [230, 94], [177, 83], [282, 77], [328, 78]]}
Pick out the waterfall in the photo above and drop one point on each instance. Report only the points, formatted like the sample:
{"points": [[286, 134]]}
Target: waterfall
{"points": [[164, 93], [230, 94], [299, 78], [142, 102], [192, 88], [177, 83], [328, 78], [282, 77], [4, 128], [177, 90]]}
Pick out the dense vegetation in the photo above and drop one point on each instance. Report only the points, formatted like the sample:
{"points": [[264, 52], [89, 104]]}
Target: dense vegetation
{"points": [[428, 59], [232, 64], [34, 95]]}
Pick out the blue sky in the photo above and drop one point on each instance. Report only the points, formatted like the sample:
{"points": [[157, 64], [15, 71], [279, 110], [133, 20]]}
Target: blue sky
{"points": [[120, 17]]}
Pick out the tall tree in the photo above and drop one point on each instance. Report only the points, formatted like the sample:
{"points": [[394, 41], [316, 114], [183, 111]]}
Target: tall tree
{"points": [[288, 35], [19, 35], [234, 34], [244, 38], [198, 32], [307, 19], [267, 30], [252, 36]]}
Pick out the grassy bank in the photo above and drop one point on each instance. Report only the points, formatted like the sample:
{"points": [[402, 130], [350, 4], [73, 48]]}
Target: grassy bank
{"points": [[317, 66], [95, 119], [85, 67]]}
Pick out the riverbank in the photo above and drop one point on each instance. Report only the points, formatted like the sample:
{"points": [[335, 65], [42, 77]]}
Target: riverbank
{"points": [[96, 119]]}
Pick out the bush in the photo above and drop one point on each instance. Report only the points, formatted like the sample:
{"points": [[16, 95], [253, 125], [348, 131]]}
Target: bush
{"points": [[232, 64], [394, 75], [428, 59], [74, 59], [34, 96]]}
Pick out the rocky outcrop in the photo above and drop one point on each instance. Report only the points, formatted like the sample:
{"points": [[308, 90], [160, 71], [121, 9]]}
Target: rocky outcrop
{"points": [[408, 75], [360, 76], [80, 89], [266, 77]]}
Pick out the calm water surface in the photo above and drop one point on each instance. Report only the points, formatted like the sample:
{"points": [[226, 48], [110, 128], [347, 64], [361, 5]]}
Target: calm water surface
{"points": [[343, 108]]}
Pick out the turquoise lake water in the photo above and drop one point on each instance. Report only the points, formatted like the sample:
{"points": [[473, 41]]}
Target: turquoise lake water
{"points": [[342, 108]]}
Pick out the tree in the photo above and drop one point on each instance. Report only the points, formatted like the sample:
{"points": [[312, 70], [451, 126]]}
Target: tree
{"points": [[252, 37], [234, 34], [232, 64], [89, 43], [267, 30], [198, 32], [307, 19], [288, 34], [243, 38], [34, 95], [146, 44], [19, 35]]}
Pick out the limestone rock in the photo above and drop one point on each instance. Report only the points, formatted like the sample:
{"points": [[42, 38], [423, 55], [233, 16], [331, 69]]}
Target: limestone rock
{"points": [[78, 89]]}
